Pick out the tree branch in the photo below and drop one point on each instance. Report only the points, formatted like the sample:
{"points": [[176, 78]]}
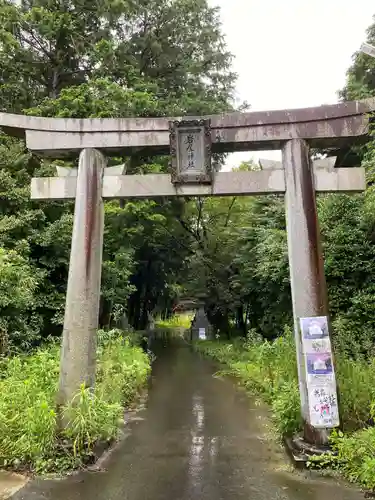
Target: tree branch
{"points": [[39, 46], [229, 211]]}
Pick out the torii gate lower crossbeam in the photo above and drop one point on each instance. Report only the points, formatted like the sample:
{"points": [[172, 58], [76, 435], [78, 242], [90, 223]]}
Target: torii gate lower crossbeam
{"points": [[294, 131]]}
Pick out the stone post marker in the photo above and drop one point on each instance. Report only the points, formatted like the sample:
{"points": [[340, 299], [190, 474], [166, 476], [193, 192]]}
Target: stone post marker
{"points": [[78, 356]]}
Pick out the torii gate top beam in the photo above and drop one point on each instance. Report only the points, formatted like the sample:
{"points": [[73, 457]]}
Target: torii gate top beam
{"points": [[322, 126]]}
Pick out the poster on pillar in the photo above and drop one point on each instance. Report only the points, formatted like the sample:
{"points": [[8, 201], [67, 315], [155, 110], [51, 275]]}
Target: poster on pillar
{"points": [[315, 328], [320, 373], [323, 408]]}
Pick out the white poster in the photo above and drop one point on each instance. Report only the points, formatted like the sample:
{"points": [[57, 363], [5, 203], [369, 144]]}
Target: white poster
{"points": [[316, 379], [322, 345], [202, 333], [323, 406]]}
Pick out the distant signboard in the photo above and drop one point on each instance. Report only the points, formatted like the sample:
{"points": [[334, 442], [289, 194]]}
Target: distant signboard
{"points": [[202, 334]]}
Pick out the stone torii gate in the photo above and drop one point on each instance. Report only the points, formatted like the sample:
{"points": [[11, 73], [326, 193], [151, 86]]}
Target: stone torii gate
{"points": [[292, 131]]}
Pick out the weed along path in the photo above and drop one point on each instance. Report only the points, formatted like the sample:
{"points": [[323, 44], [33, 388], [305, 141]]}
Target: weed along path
{"points": [[198, 437]]}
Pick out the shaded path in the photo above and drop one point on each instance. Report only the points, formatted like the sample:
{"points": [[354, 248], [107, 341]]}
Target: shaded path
{"points": [[198, 438]]}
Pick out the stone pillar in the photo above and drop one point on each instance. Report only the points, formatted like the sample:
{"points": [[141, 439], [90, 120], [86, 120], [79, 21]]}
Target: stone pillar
{"points": [[78, 352], [307, 279]]}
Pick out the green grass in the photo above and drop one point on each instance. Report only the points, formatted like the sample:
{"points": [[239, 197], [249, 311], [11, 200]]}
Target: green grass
{"points": [[269, 370], [356, 388], [29, 436], [176, 321]]}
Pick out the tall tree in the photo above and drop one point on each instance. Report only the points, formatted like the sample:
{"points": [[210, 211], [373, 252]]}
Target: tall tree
{"points": [[173, 48], [105, 58], [360, 82]]}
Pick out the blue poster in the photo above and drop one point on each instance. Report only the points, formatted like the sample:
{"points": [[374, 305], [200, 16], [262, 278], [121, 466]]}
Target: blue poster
{"points": [[314, 327], [319, 364]]}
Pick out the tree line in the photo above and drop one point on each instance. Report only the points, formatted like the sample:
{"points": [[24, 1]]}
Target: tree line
{"points": [[121, 58], [107, 58]]}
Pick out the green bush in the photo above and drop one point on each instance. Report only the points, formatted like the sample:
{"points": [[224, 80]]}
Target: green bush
{"points": [[286, 409], [27, 415], [356, 456], [19, 328], [29, 436], [269, 369]]}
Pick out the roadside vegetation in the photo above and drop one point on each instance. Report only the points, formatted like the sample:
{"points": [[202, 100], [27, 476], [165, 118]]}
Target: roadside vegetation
{"points": [[268, 369], [30, 438]]}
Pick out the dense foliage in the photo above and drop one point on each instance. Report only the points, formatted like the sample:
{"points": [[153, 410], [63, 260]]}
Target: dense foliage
{"points": [[29, 436], [99, 59]]}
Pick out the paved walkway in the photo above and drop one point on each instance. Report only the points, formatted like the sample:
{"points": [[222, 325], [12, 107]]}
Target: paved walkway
{"points": [[10, 483], [198, 438]]}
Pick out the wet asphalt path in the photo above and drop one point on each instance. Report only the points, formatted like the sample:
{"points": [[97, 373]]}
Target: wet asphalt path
{"points": [[198, 437]]}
